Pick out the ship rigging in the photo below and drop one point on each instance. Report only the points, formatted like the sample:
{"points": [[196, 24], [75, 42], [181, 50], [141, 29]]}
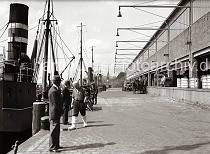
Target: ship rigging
{"points": [[48, 33]]}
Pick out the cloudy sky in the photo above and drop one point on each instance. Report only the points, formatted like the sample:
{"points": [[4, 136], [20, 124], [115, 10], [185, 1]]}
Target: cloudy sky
{"points": [[100, 20]]}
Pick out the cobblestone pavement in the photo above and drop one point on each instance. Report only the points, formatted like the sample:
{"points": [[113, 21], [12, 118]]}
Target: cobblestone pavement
{"points": [[125, 123]]}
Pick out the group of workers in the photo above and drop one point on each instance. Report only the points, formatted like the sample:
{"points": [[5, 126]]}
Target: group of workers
{"points": [[139, 84], [61, 101]]}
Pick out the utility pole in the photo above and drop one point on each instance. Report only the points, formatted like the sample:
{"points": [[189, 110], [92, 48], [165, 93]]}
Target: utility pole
{"points": [[92, 57], [108, 76], [81, 58], [47, 30], [189, 42]]}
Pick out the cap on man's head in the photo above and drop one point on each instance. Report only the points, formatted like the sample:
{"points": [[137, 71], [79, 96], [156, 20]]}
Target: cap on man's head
{"points": [[56, 78]]}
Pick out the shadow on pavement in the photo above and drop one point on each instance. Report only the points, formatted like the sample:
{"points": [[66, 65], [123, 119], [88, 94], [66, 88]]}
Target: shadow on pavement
{"points": [[167, 149], [90, 122], [86, 146], [102, 125], [97, 108]]}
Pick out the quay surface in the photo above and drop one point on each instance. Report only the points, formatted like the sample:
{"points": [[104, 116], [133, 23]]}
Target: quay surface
{"points": [[125, 123]]}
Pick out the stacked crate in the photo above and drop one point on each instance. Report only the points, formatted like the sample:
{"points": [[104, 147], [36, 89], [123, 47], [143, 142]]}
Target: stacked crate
{"points": [[205, 81], [184, 82], [179, 82], [193, 83]]}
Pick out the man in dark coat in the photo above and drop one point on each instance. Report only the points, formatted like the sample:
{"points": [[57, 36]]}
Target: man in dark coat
{"points": [[55, 112], [94, 92], [67, 98]]}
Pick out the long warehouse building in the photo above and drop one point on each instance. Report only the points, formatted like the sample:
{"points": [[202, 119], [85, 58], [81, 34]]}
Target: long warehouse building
{"points": [[179, 51]]}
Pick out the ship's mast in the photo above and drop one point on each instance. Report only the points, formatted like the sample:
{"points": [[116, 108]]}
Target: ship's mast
{"points": [[81, 58], [92, 57], [46, 39], [47, 30]]}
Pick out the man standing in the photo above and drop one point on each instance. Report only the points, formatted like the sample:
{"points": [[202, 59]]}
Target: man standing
{"points": [[55, 112], [78, 106], [66, 101], [94, 92]]}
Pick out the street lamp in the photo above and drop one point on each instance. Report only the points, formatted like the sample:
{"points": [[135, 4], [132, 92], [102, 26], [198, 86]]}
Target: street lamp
{"points": [[150, 6], [143, 28], [119, 14], [117, 33]]}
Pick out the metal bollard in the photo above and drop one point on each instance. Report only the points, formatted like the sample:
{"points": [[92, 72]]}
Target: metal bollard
{"points": [[15, 147], [45, 124]]}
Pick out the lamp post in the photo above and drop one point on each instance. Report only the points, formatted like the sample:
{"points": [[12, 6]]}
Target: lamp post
{"points": [[150, 6], [142, 41], [92, 57], [142, 28], [190, 7]]}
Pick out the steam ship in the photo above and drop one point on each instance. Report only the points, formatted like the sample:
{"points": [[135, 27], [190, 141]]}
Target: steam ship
{"points": [[17, 90]]}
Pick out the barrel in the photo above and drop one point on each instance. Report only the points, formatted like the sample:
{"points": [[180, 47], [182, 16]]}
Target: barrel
{"points": [[17, 31], [45, 124]]}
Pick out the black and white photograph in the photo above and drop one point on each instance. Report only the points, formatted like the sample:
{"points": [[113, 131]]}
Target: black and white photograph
{"points": [[105, 76]]}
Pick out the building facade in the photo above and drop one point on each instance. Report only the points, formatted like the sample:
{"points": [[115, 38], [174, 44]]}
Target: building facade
{"points": [[179, 50]]}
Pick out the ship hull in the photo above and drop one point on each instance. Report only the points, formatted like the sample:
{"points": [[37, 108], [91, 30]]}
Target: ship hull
{"points": [[16, 102]]}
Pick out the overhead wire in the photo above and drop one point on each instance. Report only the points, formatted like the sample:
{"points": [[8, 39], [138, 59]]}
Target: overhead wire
{"points": [[133, 44], [158, 15], [33, 28], [84, 49], [61, 43], [148, 2], [3, 41], [140, 33], [52, 7], [84, 45], [65, 56], [62, 49], [140, 25], [64, 43], [4, 26], [54, 38], [4, 30], [150, 23]]}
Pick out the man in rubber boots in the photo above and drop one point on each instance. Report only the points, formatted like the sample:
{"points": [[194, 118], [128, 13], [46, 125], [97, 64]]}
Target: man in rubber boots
{"points": [[78, 106]]}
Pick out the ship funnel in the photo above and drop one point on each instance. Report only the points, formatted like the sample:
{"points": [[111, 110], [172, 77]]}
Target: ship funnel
{"points": [[18, 31]]}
